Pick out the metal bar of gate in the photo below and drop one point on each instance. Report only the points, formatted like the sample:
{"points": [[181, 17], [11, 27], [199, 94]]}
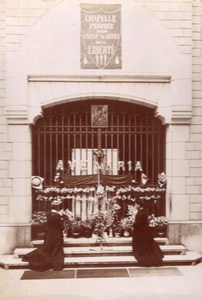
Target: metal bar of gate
{"points": [[51, 149], [111, 137], [118, 135], [44, 153], [141, 143], [153, 154], [123, 141], [129, 139], [147, 148], [135, 141], [56, 140], [62, 138], [38, 151]]}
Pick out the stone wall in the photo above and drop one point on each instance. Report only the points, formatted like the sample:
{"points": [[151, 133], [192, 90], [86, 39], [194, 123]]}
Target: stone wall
{"points": [[5, 147], [187, 233], [194, 145]]}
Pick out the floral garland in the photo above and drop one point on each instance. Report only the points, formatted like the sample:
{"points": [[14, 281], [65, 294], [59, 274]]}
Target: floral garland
{"points": [[112, 195], [123, 193]]}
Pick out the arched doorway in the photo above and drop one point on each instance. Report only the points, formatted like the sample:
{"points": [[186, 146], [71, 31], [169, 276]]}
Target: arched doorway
{"points": [[132, 138], [132, 130]]}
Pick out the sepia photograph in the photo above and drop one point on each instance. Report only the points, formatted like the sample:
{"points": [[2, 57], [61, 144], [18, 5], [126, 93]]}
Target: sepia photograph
{"points": [[100, 150]]}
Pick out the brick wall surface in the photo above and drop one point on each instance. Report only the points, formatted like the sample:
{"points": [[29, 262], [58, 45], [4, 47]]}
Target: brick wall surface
{"points": [[20, 15], [174, 14], [194, 146], [5, 183], [16, 17]]}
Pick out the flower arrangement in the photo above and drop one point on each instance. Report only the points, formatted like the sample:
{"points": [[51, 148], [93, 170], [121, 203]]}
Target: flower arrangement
{"points": [[67, 217], [88, 225], [132, 211], [39, 218], [160, 221], [102, 222], [76, 225], [100, 191], [115, 214], [127, 223], [117, 227], [88, 228], [66, 214]]}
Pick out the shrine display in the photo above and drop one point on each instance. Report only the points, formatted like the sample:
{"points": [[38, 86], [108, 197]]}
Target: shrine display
{"points": [[98, 203]]}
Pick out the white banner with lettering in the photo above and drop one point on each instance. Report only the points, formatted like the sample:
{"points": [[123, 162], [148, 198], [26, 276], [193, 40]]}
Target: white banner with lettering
{"points": [[84, 162]]}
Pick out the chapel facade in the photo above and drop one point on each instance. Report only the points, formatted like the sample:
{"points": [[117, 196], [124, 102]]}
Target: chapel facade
{"points": [[122, 77]]}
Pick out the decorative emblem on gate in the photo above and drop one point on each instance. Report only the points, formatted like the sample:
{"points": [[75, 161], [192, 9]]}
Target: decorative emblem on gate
{"points": [[101, 36], [99, 115], [37, 182]]}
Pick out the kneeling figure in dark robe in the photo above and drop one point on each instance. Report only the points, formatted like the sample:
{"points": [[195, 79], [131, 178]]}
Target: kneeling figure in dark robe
{"points": [[50, 255], [145, 249]]}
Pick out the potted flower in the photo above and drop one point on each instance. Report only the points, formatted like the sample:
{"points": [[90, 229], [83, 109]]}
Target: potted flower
{"points": [[67, 218], [127, 225], [159, 224], [162, 221], [76, 227], [38, 222], [88, 227], [117, 229], [101, 223]]}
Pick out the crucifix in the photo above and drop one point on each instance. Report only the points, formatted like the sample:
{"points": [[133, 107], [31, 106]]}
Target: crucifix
{"points": [[99, 119], [100, 194]]}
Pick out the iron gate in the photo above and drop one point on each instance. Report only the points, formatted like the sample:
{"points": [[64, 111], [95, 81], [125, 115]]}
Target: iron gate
{"points": [[133, 131]]}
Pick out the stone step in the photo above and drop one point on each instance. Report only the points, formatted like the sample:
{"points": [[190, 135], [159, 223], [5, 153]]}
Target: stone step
{"points": [[85, 242], [104, 250], [190, 258]]}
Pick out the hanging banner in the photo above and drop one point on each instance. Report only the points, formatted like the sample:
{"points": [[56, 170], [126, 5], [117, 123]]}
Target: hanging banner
{"points": [[85, 180], [101, 36]]}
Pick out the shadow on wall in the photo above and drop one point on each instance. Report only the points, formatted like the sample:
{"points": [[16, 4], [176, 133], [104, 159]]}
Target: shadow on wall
{"points": [[189, 234], [193, 242], [13, 237], [8, 240]]}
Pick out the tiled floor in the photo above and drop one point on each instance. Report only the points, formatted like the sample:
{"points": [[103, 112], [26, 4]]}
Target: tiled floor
{"points": [[185, 287]]}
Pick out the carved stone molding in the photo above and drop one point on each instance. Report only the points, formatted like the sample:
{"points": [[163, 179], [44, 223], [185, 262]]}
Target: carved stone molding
{"points": [[17, 115], [101, 78], [181, 116]]}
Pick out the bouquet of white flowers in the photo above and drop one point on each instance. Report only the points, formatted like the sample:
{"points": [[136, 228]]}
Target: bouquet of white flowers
{"points": [[160, 221]]}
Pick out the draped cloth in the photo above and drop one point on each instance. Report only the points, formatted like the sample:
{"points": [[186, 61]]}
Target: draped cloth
{"points": [[85, 180]]}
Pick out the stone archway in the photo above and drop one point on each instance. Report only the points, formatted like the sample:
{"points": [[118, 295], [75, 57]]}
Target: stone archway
{"points": [[64, 141]]}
